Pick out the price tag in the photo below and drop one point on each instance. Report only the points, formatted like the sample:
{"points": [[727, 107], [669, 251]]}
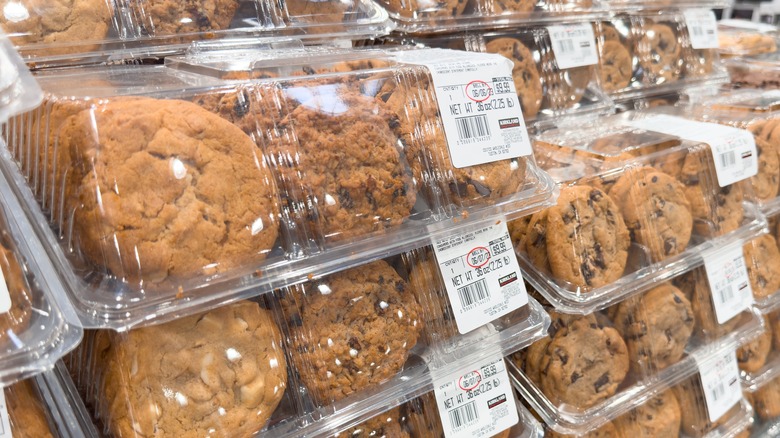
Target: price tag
{"points": [[5, 421], [750, 25], [733, 150], [729, 282], [478, 103], [574, 45], [5, 297], [481, 274], [702, 28], [477, 402], [720, 383]]}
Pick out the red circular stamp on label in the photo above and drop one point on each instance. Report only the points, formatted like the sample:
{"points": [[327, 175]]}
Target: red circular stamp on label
{"points": [[469, 381], [478, 91], [477, 257]]}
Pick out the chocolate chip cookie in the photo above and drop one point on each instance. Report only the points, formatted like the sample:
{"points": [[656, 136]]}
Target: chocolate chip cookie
{"points": [[351, 330], [431, 293], [587, 240], [26, 412], [535, 242], [766, 182], [752, 356], [419, 9], [387, 424], [565, 87], [583, 364], [175, 17], [658, 417], [695, 419], [766, 400], [696, 288], [222, 371], [525, 72], [762, 258], [656, 326], [615, 68], [61, 24], [204, 205], [658, 49], [656, 211]]}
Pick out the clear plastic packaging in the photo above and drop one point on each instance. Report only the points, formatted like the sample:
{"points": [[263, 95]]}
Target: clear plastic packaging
{"points": [[765, 399], [760, 71], [635, 207], [546, 91], [89, 31], [759, 360], [336, 157], [594, 368], [743, 42], [18, 90], [643, 5], [244, 365], [72, 419], [652, 53]]}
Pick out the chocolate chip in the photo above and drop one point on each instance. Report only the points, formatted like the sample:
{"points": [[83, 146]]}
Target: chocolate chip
{"points": [[241, 107], [459, 189], [603, 380], [400, 286], [308, 70], [668, 333], [587, 272], [481, 188], [381, 280], [296, 320], [564, 358], [394, 123], [677, 299], [574, 377], [354, 343], [654, 179], [670, 244], [568, 217], [398, 193], [345, 199], [595, 195], [762, 281], [599, 260]]}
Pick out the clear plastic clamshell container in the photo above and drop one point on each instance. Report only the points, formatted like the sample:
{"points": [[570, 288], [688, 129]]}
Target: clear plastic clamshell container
{"points": [[643, 5], [651, 53], [759, 360], [762, 71], [635, 207], [18, 90], [89, 31], [547, 91], [294, 370], [593, 369], [744, 42], [161, 190], [765, 399]]}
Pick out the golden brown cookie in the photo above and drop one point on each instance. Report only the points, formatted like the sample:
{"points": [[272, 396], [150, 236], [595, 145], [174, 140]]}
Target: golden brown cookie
{"points": [[696, 288], [615, 66], [525, 72], [762, 258], [176, 17], [658, 417], [752, 356], [766, 400], [26, 411], [658, 49]]}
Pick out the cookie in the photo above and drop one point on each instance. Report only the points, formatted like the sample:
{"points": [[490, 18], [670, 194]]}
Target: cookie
{"points": [[583, 364], [419, 9], [371, 321], [325, 10], [221, 371], [587, 240], [766, 400], [607, 430], [175, 17], [535, 242], [425, 145], [431, 293], [700, 62], [752, 356], [656, 327], [658, 417], [387, 424], [422, 417], [615, 68], [656, 211], [565, 87], [658, 49], [495, 7], [525, 72], [204, 205], [518, 229], [62, 24], [762, 258], [16, 320], [26, 411], [695, 420], [766, 182], [696, 288]]}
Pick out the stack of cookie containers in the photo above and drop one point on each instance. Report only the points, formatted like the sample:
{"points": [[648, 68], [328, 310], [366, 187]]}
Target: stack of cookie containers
{"points": [[288, 382], [38, 328], [751, 56]]}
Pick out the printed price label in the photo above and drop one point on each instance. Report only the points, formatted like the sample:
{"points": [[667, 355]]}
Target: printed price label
{"points": [[478, 402], [702, 28], [5, 421], [481, 274], [574, 45], [733, 150], [5, 297], [750, 25], [478, 103], [720, 383], [729, 282]]}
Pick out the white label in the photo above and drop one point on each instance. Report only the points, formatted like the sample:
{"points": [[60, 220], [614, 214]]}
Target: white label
{"points": [[729, 282], [574, 45], [720, 383], [702, 28], [5, 421], [478, 103], [481, 274], [5, 297], [478, 402], [733, 150], [750, 25]]}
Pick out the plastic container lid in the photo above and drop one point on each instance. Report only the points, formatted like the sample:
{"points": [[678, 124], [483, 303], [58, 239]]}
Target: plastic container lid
{"points": [[18, 90]]}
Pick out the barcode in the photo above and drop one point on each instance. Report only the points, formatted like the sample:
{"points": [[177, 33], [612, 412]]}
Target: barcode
{"points": [[726, 294], [473, 293], [565, 46], [464, 415], [718, 392], [697, 31], [472, 126], [728, 159]]}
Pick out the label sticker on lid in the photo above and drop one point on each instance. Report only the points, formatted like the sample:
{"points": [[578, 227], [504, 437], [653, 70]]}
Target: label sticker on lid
{"points": [[574, 45], [5, 296], [702, 28], [5, 421], [729, 282], [720, 383], [478, 103]]}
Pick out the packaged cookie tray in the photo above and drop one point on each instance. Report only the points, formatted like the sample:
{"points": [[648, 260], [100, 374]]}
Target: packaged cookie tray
{"points": [[643, 5], [765, 400], [591, 369], [35, 325], [244, 368], [91, 31], [743, 42], [635, 207], [648, 53], [179, 208], [422, 17], [753, 73], [671, 413], [546, 91], [18, 90], [759, 360], [71, 416]]}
